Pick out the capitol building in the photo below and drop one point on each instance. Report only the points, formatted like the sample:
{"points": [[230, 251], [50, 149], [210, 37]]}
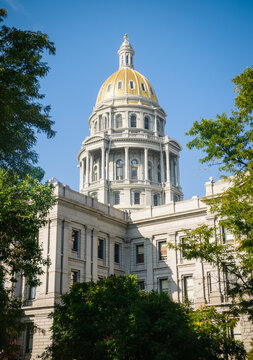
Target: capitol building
{"points": [[129, 207]]}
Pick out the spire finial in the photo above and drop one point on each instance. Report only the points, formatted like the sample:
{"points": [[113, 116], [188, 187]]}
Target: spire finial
{"points": [[126, 54]]}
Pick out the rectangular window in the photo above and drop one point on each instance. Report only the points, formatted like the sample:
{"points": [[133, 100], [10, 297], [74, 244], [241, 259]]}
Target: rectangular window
{"points": [[101, 248], [209, 282], [188, 292], [136, 198], [162, 249], [141, 285], [140, 254], [117, 253], [182, 251], [75, 240], [116, 198], [131, 84], [227, 236], [31, 292], [163, 285], [75, 276], [156, 200], [29, 338], [119, 85], [143, 87]]}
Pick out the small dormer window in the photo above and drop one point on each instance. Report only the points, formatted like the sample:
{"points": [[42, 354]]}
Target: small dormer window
{"points": [[120, 85], [131, 84], [152, 92], [143, 87], [109, 87]]}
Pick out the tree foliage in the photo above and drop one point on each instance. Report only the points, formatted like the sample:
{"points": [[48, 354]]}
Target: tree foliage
{"points": [[112, 319], [22, 115], [227, 141]]}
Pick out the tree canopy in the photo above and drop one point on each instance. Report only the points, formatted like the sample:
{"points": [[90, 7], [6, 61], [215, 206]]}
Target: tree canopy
{"points": [[227, 141], [22, 114], [113, 319]]}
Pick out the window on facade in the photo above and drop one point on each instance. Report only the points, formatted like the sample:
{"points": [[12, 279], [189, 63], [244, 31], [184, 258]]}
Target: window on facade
{"points": [[131, 60], [164, 285], [116, 198], [151, 90], [127, 59], [29, 338], [133, 120], [146, 123], [150, 170], [156, 199], [75, 277], [143, 87], [104, 123], [173, 170], [131, 84], [101, 248], [134, 169], [119, 121], [119, 85], [162, 249], [119, 169], [140, 254], [95, 173], [75, 240], [227, 236], [117, 253], [159, 172], [31, 292], [188, 293], [109, 87], [141, 285], [136, 198], [182, 251], [158, 125]]}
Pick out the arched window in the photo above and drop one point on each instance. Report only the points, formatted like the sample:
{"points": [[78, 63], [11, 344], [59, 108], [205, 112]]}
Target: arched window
{"points": [[159, 172], [134, 169], [146, 123], [158, 125], [156, 199], [119, 169], [173, 170], [150, 170], [133, 120], [118, 121], [95, 173]]}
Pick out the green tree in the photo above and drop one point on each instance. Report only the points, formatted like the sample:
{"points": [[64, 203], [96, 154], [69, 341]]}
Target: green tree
{"points": [[227, 142], [112, 319], [22, 115], [24, 200]]}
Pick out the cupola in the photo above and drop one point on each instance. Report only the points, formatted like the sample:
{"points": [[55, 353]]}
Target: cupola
{"points": [[126, 54]]}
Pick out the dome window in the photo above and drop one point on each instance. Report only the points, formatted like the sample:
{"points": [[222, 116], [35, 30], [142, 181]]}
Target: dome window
{"points": [[119, 169], [151, 90], [131, 84], [134, 169], [133, 120], [146, 123], [143, 87], [109, 87], [118, 121], [120, 85]]}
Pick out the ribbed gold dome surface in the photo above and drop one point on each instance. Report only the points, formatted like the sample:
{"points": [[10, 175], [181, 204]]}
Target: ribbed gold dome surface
{"points": [[126, 81]]}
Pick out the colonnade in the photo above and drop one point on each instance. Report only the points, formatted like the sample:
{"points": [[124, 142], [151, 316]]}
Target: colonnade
{"points": [[87, 166]]}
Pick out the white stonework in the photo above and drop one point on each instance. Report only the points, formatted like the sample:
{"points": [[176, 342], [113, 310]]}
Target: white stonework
{"points": [[87, 239]]}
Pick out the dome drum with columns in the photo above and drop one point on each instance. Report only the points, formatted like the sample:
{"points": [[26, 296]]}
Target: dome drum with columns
{"points": [[127, 161]]}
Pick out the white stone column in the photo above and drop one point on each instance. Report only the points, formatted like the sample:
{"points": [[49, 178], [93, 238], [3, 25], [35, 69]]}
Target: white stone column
{"points": [[126, 164], [155, 125], [178, 176], [87, 167], [162, 166], [167, 163], [91, 167], [103, 162], [81, 166], [107, 164], [145, 163]]}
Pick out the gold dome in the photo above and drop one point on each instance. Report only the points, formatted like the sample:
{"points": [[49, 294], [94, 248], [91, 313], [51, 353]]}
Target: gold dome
{"points": [[127, 81]]}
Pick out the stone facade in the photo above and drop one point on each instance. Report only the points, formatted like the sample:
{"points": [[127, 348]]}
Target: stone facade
{"points": [[130, 206]]}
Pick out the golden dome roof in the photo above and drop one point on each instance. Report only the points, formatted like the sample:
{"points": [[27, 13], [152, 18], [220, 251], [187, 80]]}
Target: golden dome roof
{"points": [[126, 81]]}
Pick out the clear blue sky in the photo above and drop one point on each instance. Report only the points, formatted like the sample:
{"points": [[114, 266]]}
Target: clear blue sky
{"points": [[189, 50]]}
